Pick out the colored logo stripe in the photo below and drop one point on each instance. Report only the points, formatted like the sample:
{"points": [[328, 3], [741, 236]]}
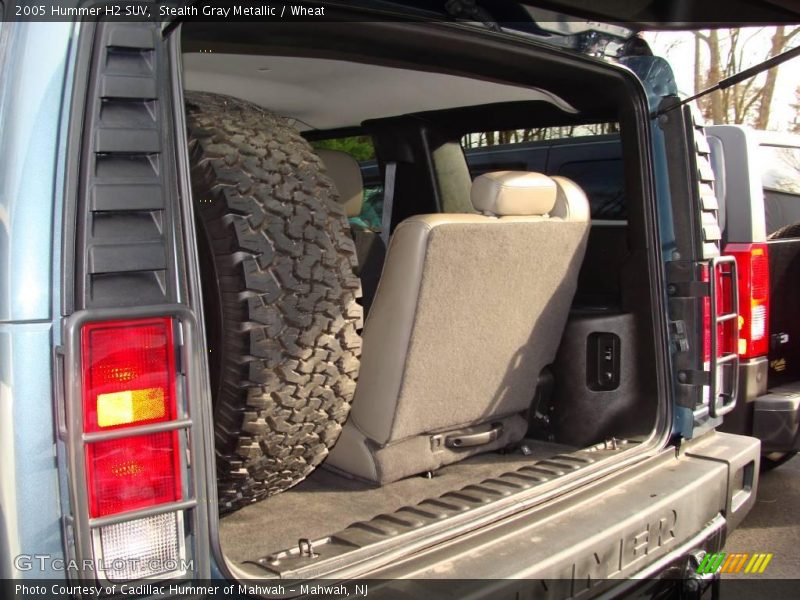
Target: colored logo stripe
{"points": [[722, 562], [758, 563]]}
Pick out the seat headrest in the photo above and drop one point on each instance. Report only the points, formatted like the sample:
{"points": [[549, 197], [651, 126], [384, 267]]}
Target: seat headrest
{"points": [[571, 201], [345, 172], [513, 193]]}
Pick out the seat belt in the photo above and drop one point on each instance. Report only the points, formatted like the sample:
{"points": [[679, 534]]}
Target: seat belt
{"points": [[388, 200]]}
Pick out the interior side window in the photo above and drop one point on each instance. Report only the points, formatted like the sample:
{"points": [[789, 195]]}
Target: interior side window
{"points": [[372, 212], [593, 160], [781, 181], [602, 180]]}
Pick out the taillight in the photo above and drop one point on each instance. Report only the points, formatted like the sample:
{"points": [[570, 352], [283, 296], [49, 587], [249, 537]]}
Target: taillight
{"points": [[704, 270], [131, 447], [129, 379], [724, 303], [720, 310], [752, 261]]}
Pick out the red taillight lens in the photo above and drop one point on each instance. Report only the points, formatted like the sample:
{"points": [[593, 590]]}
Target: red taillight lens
{"points": [[134, 472], [128, 373], [752, 261], [706, 321], [129, 380], [724, 303]]}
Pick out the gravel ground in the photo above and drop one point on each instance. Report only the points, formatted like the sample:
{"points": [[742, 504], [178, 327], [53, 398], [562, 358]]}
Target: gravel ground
{"points": [[774, 524]]}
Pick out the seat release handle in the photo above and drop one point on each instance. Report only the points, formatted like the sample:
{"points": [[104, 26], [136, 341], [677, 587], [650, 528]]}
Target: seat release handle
{"points": [[468, 440]]}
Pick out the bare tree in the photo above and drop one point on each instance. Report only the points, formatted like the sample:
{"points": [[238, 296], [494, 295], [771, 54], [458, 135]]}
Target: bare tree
{"points": [[794, 126], [712, 106], [729, 51], [780, 42]]}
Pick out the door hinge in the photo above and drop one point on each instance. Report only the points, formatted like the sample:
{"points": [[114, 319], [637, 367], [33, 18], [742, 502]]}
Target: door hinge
{"points": [[678, 337]]}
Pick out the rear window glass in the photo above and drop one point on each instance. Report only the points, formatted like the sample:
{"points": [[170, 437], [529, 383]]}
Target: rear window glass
{"points": [[780, 178], [536, 134], [359, 147], [602, 180], [781, 169], [594, 161]]}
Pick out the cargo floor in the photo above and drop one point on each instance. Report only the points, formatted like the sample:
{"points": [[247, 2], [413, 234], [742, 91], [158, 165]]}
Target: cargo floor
{"points": [[326, 503]]}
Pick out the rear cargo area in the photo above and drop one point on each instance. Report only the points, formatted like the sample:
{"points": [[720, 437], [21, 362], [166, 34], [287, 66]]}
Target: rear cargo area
{"points": [[597, 397], [327, 503]]}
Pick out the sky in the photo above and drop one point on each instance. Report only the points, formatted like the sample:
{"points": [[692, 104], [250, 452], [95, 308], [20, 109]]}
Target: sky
{"points": [[678, 48]]}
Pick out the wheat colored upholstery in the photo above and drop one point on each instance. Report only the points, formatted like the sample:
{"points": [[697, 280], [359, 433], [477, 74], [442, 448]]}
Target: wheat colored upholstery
{"points": [[468, 311]]}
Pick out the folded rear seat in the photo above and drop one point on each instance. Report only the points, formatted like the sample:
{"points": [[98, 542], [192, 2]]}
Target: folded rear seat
{"points": [[469, 309]]}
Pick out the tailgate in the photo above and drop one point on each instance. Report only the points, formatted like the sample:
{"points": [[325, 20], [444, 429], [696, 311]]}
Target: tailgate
{"points": [[784, 319], [645, 516]]}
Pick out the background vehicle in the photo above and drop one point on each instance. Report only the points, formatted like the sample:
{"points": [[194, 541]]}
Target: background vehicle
{"points": [[759, 193], [124, 321]]}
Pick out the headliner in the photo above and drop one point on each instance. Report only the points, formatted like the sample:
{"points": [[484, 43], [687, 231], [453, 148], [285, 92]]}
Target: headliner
{"points": [[331, 94]]}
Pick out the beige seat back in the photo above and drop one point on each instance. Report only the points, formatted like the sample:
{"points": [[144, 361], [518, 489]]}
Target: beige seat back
{"points": [[468, 311], [345, 172]]}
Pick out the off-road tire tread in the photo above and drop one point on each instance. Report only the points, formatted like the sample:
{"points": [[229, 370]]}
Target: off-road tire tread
{"points": [[785, 232], [282, 268], [773, 460]]}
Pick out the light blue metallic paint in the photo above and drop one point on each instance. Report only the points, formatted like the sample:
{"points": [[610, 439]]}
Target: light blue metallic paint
{"points": [[31, 507], [658, 80], [32, 84]]}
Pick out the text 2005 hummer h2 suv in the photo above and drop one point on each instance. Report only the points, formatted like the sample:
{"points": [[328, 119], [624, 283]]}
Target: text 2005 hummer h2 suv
{"points": [[214, 366]]}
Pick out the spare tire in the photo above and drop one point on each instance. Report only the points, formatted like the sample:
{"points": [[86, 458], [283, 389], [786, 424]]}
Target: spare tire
{"points": [[279, 295], [773, 460], [785, 232]]}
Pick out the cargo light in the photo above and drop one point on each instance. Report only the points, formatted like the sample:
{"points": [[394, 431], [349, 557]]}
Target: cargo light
{"points": [[128, 376], [147, 547], [752, 261]]}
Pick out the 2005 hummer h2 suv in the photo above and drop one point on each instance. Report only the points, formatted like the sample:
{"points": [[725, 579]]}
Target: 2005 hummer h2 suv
{"points": [[214, 366]]}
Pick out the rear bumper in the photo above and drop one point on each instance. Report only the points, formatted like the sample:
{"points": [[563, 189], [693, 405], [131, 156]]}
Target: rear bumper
{"points": [[676, 572], [673, 576], [776, 418], [638, 522], [753, 378], [772, 416]]}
